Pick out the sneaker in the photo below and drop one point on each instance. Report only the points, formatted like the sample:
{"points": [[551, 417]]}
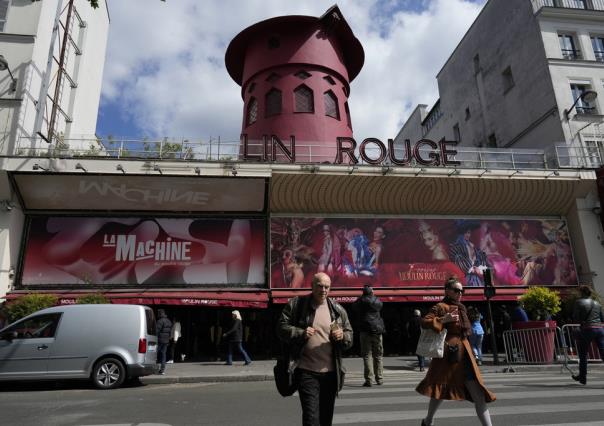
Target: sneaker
{"points": [[162, 373], [228, 363], [422, 369], [379, 382], [479, 362], [579, 379], [247, 363], [170, 362], [367, 384]]}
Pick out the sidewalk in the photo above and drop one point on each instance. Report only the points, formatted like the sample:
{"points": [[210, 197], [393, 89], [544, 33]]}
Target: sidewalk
{"points": [[394, 367]]}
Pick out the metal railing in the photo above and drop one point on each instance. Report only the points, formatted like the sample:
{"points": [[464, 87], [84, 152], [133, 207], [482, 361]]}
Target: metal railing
{"points": [[569, 334], [571, 54], [569, 4], [173, 149], [534, 346]]}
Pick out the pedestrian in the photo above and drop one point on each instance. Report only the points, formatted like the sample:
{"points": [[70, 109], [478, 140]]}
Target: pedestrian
{"points": [[455, 376], [234, 338], [477, 333], [368, 306], [588, 313], [316, 331], [414, 331], [175, 335], [164, 328]]}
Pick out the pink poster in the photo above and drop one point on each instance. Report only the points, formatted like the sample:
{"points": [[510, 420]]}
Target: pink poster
{"points": [[153, 252], [392, 252]]}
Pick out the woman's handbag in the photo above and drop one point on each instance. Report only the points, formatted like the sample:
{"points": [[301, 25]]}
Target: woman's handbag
{"points": [[431, 344], [285, 379]]}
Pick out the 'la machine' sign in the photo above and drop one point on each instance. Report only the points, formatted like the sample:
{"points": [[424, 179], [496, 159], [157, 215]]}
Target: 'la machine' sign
{"points": [[425, 152]]}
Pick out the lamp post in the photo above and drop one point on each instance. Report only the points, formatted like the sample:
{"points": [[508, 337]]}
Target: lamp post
{"points": [[4, 66], [588, 96], [489, 292]]}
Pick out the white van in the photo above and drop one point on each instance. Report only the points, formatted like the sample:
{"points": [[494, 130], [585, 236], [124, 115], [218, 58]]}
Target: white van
{"points": [[104, 343]]}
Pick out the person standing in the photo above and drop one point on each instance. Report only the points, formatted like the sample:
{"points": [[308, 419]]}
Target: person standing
{"points": [[316, 330], [175, 335], [588, 313], [164, 328], [372, 327], [414, 331], [235, 337], [477, 333], [455, 376]]}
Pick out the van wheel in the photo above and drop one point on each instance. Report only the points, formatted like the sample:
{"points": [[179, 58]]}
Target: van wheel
{"points": [[108, 373]]}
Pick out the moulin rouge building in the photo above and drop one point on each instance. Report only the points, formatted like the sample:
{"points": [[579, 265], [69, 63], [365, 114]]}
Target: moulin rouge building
{"points": [[247, 228]]}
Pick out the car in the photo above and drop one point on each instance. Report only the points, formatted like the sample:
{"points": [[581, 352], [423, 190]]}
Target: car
{"points": [[104, 343]]}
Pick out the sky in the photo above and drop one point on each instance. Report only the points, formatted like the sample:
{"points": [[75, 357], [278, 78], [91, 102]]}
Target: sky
{"points": [[165, 75]]}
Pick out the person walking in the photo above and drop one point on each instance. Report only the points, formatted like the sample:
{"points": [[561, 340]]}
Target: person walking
{"points": [[414, 331], [175, 335], [477, 333], [316, 331], [455, 376], [588, 313], [234, 337], [368, 306], [164, 328]]}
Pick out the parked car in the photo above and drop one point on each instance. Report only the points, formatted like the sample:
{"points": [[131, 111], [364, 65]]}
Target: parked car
{"points": [[104, 343]]}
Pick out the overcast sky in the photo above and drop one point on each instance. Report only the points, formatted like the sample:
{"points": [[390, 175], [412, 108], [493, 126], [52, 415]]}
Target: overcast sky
{"points": [[165, 73]]}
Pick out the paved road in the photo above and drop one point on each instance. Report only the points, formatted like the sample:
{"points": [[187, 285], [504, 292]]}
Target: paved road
{"points": [[538, 398]]}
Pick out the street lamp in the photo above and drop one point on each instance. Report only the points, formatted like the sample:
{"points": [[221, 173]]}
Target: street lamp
{"points": [[588, 96], [4, 66]]}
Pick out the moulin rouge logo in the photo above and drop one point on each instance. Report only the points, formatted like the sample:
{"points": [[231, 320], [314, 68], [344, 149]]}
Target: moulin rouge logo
{"points": [[130, 249]]}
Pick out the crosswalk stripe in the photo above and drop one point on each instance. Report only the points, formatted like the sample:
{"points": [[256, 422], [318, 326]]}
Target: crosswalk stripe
{"points": [[388, 416], [570, 424], [352, 402]]}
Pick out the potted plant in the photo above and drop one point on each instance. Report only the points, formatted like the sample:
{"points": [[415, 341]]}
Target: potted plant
{"points": [[540, 303]]}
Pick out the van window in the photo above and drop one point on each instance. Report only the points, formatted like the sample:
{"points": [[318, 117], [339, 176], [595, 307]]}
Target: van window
{"points": [[150, 317], [36, 327]]}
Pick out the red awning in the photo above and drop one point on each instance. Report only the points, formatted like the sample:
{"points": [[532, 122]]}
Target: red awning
{"points": [[255, 299], [404, 295]]}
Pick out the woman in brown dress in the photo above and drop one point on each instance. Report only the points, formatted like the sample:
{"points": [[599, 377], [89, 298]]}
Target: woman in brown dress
{"points": [[455, 376]]}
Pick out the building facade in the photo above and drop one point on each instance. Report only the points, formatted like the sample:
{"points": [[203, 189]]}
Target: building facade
{"points": [[199, 230]]}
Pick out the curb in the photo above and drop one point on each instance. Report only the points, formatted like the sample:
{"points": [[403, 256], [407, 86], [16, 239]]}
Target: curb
{"points": [[162, 380]]}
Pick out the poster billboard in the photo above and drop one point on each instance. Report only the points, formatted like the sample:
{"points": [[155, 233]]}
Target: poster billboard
{"points": [[420, 252], [158, 252]]}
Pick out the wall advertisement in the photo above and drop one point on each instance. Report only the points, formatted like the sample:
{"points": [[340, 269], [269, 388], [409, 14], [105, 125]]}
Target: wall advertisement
{"points": [[154, 252], [420, 252]]}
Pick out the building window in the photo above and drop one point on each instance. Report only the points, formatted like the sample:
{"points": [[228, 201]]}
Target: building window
{"points": [[347, 110], [508, 79], [331, 105], [3, 13], [302, 75], [252, 111], [432, 118], [251, 88], [476, 64], [593, 153], [272, 102], [492, 142], [567, 47], [329, 80], [456, 134], [273, 77], [304, 99], [468, 115], [597, 42], [582, 106]]}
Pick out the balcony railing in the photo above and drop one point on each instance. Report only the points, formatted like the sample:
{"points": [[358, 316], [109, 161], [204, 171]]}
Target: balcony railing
{"points": [[571, 54], [586, 110], [174, 150], [599, 54], [569, 4]]}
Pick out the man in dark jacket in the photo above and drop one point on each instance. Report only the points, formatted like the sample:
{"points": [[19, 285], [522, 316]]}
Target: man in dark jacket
{"points": [[588, 313], [316, 330], [368, 307], [164, 328]]}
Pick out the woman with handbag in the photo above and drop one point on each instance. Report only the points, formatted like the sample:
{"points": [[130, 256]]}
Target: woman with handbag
{"points": [[455, 376]]}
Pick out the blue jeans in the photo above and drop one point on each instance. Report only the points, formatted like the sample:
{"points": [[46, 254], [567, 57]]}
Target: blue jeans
{"points": [[476, 343], [584, 339], [161, 351], [317, 396], [242, 351]]}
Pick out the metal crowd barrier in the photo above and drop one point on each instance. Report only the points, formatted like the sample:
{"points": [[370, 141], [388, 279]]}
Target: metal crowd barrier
{"points": [[536, 346], [569, 333]]}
